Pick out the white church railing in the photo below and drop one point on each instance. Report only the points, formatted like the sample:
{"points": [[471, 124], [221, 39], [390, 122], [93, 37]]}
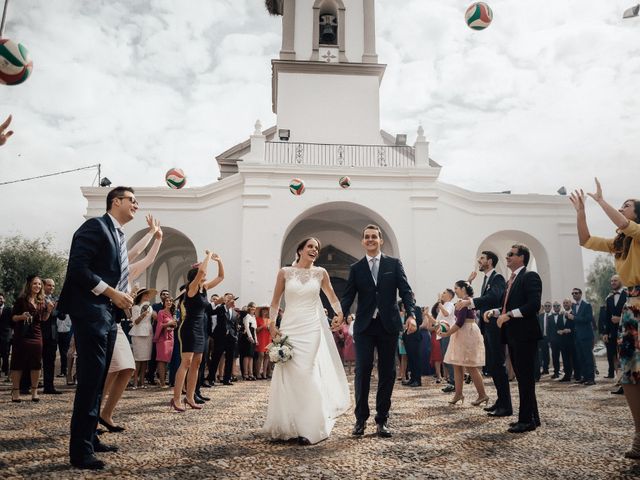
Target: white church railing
{"points": [[290, 153]]}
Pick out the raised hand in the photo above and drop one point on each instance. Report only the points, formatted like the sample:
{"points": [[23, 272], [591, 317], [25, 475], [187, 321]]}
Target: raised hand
{"points": [[597, 196], [4, 136], [215, 257], [159, 234], [577, 198], [154, 225], [472, 276]]}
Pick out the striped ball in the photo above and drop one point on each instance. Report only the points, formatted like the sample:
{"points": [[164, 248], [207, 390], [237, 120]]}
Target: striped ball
{"points": [[296, 186], [478, 16], [15, 64], [175, 178], [442, 327], [344, 182]]}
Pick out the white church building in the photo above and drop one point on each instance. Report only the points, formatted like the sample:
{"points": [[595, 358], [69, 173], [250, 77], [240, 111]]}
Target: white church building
{"points": [[251, 219]]}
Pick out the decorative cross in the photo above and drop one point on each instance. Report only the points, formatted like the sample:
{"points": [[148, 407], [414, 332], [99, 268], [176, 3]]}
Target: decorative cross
{"points": [[328, 56]]}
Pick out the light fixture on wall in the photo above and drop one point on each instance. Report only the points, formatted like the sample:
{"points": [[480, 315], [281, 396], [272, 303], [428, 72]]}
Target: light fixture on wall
{"points": [[284, 134], [105, 182], [562, 190], [401, 139]]}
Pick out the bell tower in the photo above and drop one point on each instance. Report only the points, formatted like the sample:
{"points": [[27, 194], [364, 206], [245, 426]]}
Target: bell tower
{"points": [[326, 81]]}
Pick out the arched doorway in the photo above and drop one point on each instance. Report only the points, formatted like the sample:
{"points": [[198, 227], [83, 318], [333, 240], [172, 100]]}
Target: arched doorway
{"points": [[500, 243], [168, 271]]}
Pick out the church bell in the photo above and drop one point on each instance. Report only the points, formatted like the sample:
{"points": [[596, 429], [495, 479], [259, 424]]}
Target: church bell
{"points": [[328, 27]]}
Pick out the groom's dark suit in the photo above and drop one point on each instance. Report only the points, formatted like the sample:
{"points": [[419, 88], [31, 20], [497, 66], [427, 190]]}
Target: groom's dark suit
{"points": [[94, 257], [379, 332]]}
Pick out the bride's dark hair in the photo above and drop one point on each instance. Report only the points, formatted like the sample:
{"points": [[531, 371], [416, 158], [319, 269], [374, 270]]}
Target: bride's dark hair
{"points": [[303, 243], [622, 243]]}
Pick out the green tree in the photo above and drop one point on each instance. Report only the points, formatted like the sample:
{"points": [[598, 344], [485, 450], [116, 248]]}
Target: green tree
{"points": [[21, 257], [598, 278]]}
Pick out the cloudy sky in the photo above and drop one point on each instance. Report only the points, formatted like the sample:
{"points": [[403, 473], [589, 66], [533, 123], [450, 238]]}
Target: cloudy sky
{"points": [[547, 96]]}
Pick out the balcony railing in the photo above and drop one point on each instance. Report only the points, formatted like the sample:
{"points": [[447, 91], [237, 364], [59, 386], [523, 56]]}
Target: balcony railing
{"points": [[319, 154]]}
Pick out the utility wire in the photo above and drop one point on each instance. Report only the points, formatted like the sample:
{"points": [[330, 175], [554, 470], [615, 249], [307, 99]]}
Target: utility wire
{"points": [[51, 174]]}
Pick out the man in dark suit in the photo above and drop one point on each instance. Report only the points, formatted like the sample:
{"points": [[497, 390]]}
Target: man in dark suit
{"points": [[50, 339], [610, 322], [491, 294], [413, 346], [6, 332], [225, 338], [565, 329], [518, 319], [553, 338], [376, 280], [543, 345], [582, 316], [95, 294]]}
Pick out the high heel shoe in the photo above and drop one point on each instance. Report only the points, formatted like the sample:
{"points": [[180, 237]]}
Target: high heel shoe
{"points": [[195, 406], [110, 427], [175, 407], [15, 395], [455, 400], [480, 401]]}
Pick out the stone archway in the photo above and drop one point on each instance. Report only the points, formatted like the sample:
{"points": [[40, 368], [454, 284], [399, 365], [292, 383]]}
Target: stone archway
{"points": [[500, 243], [168, 271]]}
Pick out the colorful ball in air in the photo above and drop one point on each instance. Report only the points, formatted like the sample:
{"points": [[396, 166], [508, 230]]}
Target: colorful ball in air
{"points": [[478, 16], [442, 327], [175, 178], [344, 182], [296, 186], [15, 63]]}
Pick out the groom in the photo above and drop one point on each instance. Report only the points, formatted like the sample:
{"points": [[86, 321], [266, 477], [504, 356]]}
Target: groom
{"points": [[376, 280]]}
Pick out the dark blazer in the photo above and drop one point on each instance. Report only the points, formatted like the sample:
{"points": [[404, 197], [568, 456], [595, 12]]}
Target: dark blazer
{"points": [[225, 325], [552, 327], [6, 324], [392, 281], [491, 296], [94, 256], [566, 339], [525, 295], [583, 321], [612, 309]]}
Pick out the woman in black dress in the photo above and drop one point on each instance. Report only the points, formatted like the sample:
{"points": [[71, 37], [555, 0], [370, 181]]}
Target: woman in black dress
{"points": [[192, 333], [29, 311]]}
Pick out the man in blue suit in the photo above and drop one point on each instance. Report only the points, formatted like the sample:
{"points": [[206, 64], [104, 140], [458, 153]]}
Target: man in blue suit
{"points": [[95, 295], [610, 321], [377, 280], [582, 316]]}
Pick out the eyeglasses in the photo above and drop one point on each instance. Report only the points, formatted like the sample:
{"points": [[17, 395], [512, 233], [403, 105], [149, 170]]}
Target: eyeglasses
{"points": [[131, 199], [511, 254], [575, 293]]}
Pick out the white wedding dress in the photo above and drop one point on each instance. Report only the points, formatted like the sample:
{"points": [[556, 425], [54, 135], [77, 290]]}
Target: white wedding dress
{"points": [[309, 391]]}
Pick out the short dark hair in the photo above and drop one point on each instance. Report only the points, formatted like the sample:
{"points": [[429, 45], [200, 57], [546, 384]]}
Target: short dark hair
{"points": [[372, 226], [576, 288], [466, 285], [491, 256], [523, 251], [164, 290], [115, 193], [450, 292]]}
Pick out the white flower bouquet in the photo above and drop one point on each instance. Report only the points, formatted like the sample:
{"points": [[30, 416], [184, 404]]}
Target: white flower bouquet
{"points": [[280, 350]]}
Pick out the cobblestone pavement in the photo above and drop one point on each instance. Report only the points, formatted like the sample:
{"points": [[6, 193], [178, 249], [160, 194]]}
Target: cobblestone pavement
{"points": [[584, 432]]}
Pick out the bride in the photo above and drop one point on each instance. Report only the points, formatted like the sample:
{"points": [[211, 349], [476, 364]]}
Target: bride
{"points": [[310, 390]]}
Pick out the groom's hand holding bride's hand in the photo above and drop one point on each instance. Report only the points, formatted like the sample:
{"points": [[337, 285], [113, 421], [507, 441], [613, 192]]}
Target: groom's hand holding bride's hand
{"points": [[411, 325], [337, 322]]}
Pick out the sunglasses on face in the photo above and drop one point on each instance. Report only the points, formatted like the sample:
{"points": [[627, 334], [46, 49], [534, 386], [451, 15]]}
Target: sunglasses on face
{"points": [[511, 254], [131, 199]]}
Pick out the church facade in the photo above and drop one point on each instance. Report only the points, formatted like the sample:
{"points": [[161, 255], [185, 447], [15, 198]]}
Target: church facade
{"points": [[251, 219]]}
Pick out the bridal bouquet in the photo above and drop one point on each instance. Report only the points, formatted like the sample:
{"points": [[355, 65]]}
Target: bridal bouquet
{"points": [[280, 350]]}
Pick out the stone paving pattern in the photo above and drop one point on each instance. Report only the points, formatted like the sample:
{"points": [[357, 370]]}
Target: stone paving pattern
{"points": [[584, 432]]}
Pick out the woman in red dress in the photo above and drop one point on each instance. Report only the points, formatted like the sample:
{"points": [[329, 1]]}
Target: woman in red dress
{"points": [[261, 367], [29, 311], [435, 358]]}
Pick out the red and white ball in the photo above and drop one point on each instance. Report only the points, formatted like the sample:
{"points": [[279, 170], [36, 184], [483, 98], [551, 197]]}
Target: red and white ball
{"points": [[296, 186], [175, 178], [478, 16], [15, 63], [344, 182]]}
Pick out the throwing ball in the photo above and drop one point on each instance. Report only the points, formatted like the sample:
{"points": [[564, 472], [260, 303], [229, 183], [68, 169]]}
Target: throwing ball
{"points": [[15, 64], [442, 327], [344, 182], [296, 186], [175, 178], [478, 16]]}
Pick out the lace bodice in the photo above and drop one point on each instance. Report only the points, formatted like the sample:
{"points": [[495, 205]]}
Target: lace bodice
{"points": [[303, 275]]}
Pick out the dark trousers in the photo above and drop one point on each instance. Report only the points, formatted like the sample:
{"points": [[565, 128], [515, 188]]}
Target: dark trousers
{"points": [[222, 345], [152, 364], [64, 340], [555, 356], [543, 354], [94, 347], [174, 364], [523, 359], [577, 365], [566, 350], [412, 344], [375, 337], [612, 354], [495, 352], [49, 350], [584, 350], [5, 349]]}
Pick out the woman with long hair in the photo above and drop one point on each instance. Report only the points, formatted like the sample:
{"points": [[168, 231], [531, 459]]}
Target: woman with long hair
{"points": [[248, 341], [261, 364], [142, 316], [29, 311], [163, 337], [192, 331], [625, 247], [466, 348], [435, 357]]}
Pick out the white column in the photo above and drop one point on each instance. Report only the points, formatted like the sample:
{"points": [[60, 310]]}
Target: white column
{"points": [[258, 144], [370, 55], [421, 149]]}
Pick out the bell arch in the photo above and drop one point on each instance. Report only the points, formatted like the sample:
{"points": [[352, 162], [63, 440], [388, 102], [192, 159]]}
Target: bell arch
{"points": [[336, 9]]}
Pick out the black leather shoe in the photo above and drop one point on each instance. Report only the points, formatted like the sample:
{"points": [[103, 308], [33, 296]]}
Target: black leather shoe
{"points": [[513, 424], [383, 431], [619, 391], [202, 397], [100, 447], [52, 392], [415, 384], [545, 372], [358, 429], [589, 383], [88, 463], [522, 427], [449, 388], [198, 400], [227, 382], [111, 428], [555, 375], [491, 408], [579, 381], [406, 382], [565, 379], [500, 412], [303, 441], [206, 384]]}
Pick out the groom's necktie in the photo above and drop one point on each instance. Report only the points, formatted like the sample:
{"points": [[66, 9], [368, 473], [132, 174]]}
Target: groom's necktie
{"points": [[484, 284], [374, 269]]}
